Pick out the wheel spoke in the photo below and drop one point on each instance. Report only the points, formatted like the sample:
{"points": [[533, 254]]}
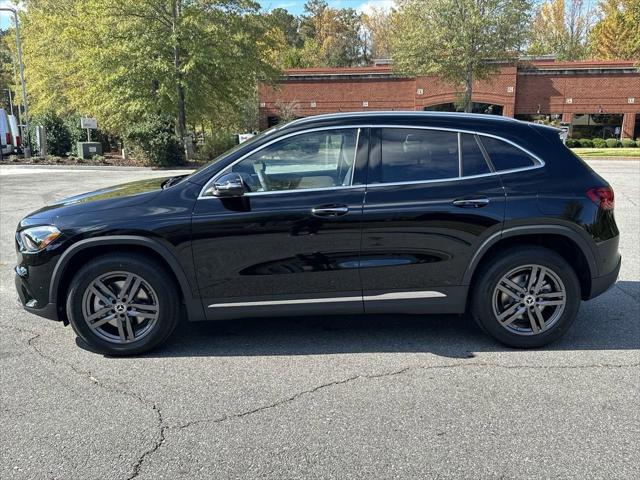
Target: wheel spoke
{"points": [[130, 333], [145, 307], [512, 285], [532, 321], [125, 287], [509, 292], [133, 291], [97, 315], [548, 303], [101, 291], [121, 333], [510, 315], [540, 281], [532, 277], [559, 295], [102, 321], [539, 317]]}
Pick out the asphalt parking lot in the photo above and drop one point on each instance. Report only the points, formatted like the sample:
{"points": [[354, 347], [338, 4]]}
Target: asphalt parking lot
{"points": [[344, 397]]}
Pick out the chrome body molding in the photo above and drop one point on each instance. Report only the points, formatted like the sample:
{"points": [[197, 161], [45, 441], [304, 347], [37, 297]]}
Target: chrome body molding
{"points": [[366, 298]]}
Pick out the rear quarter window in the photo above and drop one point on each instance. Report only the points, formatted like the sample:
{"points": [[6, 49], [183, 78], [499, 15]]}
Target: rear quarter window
{"points": [[505, 156]]}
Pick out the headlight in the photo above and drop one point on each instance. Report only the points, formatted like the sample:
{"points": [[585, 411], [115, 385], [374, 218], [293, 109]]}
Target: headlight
{"points": [[35, 239]]}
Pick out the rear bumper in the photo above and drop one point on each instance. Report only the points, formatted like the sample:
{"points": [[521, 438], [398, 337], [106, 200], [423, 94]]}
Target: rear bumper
{"points": [[601, 284]]}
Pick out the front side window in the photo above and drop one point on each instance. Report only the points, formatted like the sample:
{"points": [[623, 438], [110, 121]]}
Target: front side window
{"points": [[322, 159], [410, 155], [505, 156]]}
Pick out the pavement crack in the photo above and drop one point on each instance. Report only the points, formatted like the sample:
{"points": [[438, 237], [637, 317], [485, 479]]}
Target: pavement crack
{"points": [[401, 371], [161, 426]]}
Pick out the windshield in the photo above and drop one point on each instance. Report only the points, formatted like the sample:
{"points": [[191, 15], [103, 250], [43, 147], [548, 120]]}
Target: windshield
{"points": [[252, 140]]}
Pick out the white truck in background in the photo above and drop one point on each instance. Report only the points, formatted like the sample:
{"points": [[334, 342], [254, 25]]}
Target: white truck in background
{"points": [[6, 137]]}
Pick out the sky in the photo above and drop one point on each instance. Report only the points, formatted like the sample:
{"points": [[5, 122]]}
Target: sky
{"points": [[297, 7]]}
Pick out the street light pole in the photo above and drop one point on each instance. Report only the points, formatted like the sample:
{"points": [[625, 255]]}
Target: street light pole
{"points": [[27, 148]]}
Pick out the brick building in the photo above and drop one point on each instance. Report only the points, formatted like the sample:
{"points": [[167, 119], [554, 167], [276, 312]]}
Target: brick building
{"points": [[598, 98]]}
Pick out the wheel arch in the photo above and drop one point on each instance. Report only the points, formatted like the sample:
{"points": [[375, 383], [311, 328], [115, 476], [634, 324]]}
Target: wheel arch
{"points": [[563, 240], [91, 247]]}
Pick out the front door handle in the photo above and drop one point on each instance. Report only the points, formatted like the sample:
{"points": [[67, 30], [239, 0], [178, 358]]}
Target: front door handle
{"points": [[475, 202], [330, 210]]}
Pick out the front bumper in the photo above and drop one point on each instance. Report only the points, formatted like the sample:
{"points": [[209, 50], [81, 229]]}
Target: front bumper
{"points": [[29, 300]]}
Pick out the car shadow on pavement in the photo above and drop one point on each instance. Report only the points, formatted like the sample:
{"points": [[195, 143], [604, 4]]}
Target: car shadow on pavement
{"points": [[610, 322]]}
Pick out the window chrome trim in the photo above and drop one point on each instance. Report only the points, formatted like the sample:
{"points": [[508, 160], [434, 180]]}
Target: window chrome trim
{"points": [[360, 298], [460, 170], [358, 129], [540, 162]]}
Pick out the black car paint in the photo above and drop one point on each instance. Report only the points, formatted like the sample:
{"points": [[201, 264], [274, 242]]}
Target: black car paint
{"points": [[270, 247]]}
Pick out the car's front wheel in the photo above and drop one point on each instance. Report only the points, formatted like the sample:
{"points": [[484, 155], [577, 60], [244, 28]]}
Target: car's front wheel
{"points": [[527, 297], [122, 304]]}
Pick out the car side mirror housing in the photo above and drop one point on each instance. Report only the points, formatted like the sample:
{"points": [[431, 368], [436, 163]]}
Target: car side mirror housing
{"points": [[228, 185]]}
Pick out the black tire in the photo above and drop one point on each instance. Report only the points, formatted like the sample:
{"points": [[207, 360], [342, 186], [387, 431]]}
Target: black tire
{"points": [[491, 273], [156, 277]]}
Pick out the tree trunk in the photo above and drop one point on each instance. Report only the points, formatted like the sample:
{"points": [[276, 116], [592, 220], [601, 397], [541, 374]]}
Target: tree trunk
{"points": [[466, 95], [181, 128]]}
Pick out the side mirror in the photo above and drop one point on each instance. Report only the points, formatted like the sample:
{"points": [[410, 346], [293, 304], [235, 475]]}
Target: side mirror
{"points": [[228, 185]]}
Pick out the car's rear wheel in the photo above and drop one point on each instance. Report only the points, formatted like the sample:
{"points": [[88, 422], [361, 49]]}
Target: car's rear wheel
{"points": [[527, 297], [122, 304]]}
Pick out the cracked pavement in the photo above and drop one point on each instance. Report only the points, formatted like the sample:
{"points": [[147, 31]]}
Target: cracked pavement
{"points": [[331, 397]]}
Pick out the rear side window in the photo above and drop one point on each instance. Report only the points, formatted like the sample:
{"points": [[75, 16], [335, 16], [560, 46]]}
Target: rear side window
{"points": [[410, 155], [505, 156], [473, 161]]}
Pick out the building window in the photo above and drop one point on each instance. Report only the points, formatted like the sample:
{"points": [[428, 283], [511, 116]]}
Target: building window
{"points": [[488, 108], [592, 125]]}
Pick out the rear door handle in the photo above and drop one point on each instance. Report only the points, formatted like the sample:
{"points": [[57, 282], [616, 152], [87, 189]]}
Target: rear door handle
{"points": [[471, 202], [330, 210]]}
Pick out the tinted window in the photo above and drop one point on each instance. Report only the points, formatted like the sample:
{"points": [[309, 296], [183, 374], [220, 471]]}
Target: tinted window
{"points": [[310, 160], [473, 162], [413, 155], [505, 156]]}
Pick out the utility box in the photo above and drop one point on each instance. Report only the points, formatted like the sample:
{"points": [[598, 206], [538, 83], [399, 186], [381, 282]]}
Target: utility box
{"points": [[86, 150]]}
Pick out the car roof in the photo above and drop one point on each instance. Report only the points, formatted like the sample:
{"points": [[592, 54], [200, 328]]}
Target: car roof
{"points": [[381, 116]]}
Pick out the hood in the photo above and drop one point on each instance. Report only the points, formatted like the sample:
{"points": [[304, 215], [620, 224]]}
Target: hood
{"points": [[118, 196]]}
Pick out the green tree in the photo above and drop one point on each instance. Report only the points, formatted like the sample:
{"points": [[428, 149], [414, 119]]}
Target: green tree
{"points": [[616, 35], [460, 40], [377, 33], [331, 36], [560, 28], [190, 62], [5, 62]]}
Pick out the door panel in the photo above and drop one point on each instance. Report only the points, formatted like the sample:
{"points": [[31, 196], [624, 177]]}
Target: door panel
{"points": [[420, 237], [270, 248], [285, 251]]}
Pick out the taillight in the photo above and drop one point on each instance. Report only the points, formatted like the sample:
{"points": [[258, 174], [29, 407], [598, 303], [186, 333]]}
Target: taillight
{"points": [[18, 142], [8, 139], [602, 196]]}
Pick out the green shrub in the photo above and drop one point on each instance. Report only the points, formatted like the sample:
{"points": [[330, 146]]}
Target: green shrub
{"points": [[215, 145], [613, 143], [585, 143], [59, 138], [152, 138], [599, 143], [572, 143], [628, 143]]}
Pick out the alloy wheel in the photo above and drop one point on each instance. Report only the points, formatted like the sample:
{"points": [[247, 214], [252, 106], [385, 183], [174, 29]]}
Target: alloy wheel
{"points": [[120, 307], [529, 299]]}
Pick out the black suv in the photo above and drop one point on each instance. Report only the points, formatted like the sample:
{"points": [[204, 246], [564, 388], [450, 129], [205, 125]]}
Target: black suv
{"points": [[383, 212]]}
